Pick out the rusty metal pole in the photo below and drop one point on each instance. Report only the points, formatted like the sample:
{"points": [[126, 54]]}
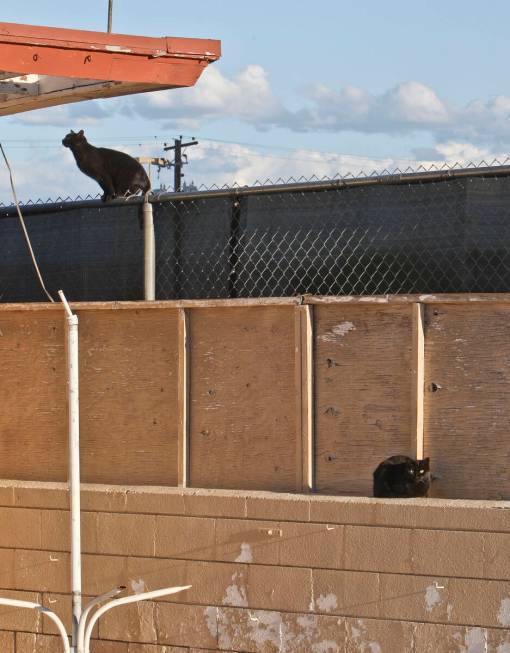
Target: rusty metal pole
{"points": [[110, 8]]}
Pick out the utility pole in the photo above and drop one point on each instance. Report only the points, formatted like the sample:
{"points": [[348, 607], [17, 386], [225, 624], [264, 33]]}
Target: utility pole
{"points": [[178, 160]]}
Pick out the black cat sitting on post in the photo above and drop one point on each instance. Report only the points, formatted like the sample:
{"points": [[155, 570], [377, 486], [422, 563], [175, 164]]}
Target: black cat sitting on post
{"points": [[401, 476], [117, 173]]}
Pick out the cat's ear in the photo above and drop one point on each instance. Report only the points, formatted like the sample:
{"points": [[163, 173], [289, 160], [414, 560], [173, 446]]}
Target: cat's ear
{"points": [[80, 133], [426, 464], [72, 131]]}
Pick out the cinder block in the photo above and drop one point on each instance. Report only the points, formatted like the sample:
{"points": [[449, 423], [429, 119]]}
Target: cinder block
{"points": [[371, 548], [46, 571], [348, 593], [498, 640], [381, 636], [61, 604], [248, 540], [187, 625], [286, 507], [135, 622], [153, 648], [30, 643], [7, 490], [56, 531], [7, 642], [480, 602], [156, 501], [7, 579], [103, 498], [497, 555], [448, 553], [212, 583], [100, 646], [414, 598], [342, 510], [412, 513], [254, 631], [432, 638], [310, 632], [209, 503], [312, 545], [101, 573], [279, 588], [34, 494], [16, 619], [185, 537], [20, 528], [125, 534]]}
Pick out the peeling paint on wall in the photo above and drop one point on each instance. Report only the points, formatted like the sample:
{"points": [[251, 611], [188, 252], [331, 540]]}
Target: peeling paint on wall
{"points": [[235, 594], [432, 598], [327, 603], [503, 648], [337, 332], [138, 586], [246, 554], [504, 613], [475, 641]]}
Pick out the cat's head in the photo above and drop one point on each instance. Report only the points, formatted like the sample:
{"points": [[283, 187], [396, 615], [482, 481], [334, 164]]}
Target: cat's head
{"points": [[74, 138], [417, 472]]}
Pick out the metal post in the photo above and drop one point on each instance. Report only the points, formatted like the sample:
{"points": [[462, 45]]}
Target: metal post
{"points": [[124, 601], [74, 464], [149, 251], [178, 165], [16, 603], [110, 11]]}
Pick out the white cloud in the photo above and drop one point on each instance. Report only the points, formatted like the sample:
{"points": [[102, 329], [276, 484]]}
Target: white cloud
{"points": [[82, 114], [409, 107], [247, 97]]}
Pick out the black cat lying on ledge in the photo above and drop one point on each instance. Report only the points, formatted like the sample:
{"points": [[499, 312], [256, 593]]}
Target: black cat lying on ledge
{"points": [[403, 477], [117, 173]]}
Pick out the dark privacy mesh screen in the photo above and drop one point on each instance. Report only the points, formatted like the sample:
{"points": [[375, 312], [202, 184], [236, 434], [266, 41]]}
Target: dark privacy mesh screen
{"points": [[385, 237]]}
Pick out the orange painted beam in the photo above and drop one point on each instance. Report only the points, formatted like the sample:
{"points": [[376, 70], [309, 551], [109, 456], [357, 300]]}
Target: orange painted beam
{"points": [[165, 61]]}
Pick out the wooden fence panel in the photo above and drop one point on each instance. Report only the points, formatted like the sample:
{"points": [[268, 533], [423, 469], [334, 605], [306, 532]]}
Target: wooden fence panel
{"points": [[363, 392], [467, 399], [243, 423], [33, 414], [128, 396]]}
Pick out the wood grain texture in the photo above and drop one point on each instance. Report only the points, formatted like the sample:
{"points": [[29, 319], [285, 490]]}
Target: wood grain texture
{"points": [[467, 410], [33, 415], [243, 426], [418, 376], [128, 396], [183, 399], [363, 393], [304, 397]]}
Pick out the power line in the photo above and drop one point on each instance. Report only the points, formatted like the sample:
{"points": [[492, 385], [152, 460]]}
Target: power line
{"points": [[154, 140]]}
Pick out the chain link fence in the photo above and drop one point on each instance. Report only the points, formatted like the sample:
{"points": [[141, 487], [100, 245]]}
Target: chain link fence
{"points": [[431, 232]]}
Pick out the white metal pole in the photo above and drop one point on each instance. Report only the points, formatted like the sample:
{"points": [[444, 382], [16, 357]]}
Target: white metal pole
{"points": [[134, 598], [83, 619], [74, 464], [149, 251], [16, 603]]}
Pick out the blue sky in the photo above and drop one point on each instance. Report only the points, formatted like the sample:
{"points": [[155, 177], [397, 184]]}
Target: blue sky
{"points": [[302, 88]]}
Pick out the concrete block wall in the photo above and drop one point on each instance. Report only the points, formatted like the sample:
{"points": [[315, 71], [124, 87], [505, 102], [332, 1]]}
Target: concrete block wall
{"points": [[270, 572]]}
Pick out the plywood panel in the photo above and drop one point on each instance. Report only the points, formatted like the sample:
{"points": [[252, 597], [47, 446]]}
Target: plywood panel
{"points": [[33, 417], [467, 410], [128, 407], [363, 392], [243, 417]]}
